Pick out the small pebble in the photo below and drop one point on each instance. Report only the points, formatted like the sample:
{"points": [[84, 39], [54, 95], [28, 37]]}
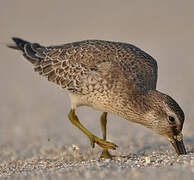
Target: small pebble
{"points": [[147, 160], [75, 147]]}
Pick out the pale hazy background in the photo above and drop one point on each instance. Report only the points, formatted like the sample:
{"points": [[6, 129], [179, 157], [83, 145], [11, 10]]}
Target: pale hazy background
{"points": [[33, 110]]}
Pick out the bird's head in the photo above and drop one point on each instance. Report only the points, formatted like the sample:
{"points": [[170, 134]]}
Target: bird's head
{"points": [[166, 118]]}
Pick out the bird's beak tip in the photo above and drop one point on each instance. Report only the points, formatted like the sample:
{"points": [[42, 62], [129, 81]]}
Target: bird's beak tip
{"points": [[177, 142]]}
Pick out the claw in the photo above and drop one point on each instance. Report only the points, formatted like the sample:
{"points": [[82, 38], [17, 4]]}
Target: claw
{"points": [[102, 143], [106, 155]]}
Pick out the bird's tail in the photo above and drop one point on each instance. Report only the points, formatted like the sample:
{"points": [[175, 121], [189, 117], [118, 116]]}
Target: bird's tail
{"points": [[32, 51]]}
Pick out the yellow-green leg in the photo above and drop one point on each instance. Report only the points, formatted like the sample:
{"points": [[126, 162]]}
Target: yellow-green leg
{"points": [[103, 122], [93, 139]]}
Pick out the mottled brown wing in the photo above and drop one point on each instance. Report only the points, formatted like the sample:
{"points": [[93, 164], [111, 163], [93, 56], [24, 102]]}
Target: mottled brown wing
{"points": [[144, 74], [58, 68], [54, 62], [139, 68], [67, 65], [71, 64], [138, 65]]}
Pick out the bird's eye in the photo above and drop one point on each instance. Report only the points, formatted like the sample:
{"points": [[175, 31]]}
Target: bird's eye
{"points": [[171, 119]]}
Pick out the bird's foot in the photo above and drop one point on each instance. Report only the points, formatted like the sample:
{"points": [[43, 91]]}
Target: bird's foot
{"points": [[106, 155], [102, 143]]}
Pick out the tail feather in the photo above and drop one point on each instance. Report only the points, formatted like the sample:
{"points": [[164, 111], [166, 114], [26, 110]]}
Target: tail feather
{"points": [[32, 51], [20, 43]]}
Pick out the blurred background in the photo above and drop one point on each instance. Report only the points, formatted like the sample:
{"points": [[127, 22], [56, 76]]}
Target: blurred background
{"points": [[33, 112]]}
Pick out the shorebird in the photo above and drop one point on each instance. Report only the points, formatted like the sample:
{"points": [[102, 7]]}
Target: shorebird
{"points": [[112, 77]]}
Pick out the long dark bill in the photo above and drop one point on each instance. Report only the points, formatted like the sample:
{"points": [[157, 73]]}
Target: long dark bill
{"points": [[179, 146]]}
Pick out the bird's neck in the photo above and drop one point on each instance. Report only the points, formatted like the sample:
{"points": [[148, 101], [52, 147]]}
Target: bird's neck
{"points": [[137, 108]]}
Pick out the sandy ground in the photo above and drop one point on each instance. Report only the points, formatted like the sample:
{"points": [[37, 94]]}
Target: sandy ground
{"points": [[36, 139]]}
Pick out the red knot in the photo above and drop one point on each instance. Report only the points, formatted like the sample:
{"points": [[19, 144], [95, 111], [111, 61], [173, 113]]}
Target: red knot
{"points": [[113, 77]]}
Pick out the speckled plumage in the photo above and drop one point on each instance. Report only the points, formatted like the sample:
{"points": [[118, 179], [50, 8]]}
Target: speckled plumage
{"points": [[90, 67], [110, 76]]}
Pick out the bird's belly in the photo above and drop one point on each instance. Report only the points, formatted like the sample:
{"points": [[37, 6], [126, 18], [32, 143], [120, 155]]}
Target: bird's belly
{"points": [[77, 100], [90, 100]]}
